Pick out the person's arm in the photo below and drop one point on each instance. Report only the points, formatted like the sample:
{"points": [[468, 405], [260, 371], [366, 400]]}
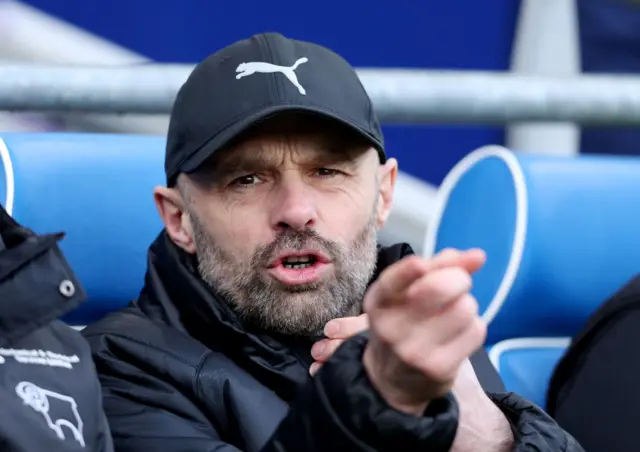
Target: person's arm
{"points": [[341, 410], [533, 429], [146, 412], [489, 419], [105, 442], [337, 410], [503, 422]]}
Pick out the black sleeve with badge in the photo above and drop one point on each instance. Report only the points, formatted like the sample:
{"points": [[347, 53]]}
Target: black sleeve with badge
{"points": [[50, 397]]}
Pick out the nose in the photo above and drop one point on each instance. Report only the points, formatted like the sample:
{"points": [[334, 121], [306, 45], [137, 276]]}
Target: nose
{"points": [[294, 206]]}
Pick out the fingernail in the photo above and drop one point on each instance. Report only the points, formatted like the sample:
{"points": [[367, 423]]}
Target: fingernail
{"points": [[331, 329], [314, 368], [317, 349]]}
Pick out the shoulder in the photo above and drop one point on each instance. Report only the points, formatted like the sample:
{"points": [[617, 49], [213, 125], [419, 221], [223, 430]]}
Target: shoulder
{"points": [[51, 349], [130, 337], [143, 362]]}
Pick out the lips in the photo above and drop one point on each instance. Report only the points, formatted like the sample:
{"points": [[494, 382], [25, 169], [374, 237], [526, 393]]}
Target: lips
{"points": [[297, 268], [290, 258]]}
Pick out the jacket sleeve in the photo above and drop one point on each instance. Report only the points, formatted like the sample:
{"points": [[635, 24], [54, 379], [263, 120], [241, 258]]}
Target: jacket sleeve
{"points": [[533, 429], [340, 410], [105, 442], [337, 410]]}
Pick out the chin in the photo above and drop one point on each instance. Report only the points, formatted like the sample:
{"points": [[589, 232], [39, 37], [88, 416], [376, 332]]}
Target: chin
{"points": [[312, 289]]}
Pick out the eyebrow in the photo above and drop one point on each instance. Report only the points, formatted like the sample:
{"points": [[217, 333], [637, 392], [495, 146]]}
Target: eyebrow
{"points": [[256, 161]]}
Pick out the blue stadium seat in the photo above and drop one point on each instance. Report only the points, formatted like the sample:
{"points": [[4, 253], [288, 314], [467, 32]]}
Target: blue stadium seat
{"points": [[526, 364], [561, 235], [96, 188]]}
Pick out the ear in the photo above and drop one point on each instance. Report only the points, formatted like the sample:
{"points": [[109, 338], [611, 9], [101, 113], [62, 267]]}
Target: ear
{"points": [[172, 210], [387, 177]]}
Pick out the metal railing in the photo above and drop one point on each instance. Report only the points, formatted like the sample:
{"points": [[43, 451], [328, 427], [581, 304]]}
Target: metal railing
{"points": [[399, 95]]}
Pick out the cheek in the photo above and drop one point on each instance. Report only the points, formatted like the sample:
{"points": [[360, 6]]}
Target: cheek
{"points": [[344, 216], [240, 232]]}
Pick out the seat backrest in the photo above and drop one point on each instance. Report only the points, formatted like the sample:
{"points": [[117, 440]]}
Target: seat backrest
{"points": [[526, 364], [98, 190], [561, 235]]}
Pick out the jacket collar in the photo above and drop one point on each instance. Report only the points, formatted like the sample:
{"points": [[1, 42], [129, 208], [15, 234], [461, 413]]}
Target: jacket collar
{"points": [[31, 270], [176, 295]]}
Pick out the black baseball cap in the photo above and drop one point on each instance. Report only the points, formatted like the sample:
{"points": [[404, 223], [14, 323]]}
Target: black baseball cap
{"points": [[255, 79]]}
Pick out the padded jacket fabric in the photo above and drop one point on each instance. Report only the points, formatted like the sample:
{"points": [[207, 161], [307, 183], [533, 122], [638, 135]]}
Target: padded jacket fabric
{"points": [[594, 392], [181, 372], [50, 397]]}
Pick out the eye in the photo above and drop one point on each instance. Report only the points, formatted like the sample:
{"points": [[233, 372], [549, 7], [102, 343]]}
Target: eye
{"points": [[247, 180], [327, 172]]}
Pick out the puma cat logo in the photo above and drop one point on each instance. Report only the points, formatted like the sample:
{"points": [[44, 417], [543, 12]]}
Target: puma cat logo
{"points": [[245, 69]]}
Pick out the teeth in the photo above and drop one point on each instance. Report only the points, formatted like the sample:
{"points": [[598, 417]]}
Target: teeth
{"points": [[304, 265], [295, 259], [298, 261]]}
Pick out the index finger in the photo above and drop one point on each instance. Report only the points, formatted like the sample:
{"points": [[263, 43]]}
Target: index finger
{"points": [[470, 260], [400, 275]]}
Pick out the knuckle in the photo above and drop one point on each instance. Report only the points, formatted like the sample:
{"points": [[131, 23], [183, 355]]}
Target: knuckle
{"points": [[440, 367], [385, 336], [466, 309], [462, 279], [414, 356], [412, 259], [386, 332], [438, 288], [370, 298], [385, 282], [435, 364], [448, 283], [479, 331], [412, 263], [447, 253]]}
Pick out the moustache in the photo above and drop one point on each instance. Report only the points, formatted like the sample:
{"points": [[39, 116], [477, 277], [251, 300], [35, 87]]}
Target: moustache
{"points": [[296, 240]]}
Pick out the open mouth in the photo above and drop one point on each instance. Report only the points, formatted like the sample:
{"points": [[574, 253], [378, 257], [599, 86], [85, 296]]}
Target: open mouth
{"points": [[295, 262], [294, 268]]}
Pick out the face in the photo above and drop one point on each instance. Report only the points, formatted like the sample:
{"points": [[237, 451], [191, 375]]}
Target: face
{"points": [[284, 223]]}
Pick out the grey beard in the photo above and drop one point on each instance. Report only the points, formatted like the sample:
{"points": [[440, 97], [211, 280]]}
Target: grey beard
{"points": [[272, 306]]}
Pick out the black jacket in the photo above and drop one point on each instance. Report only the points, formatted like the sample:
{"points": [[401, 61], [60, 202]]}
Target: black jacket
{"points": [[50, 397], [594, 391], [181, 373]]}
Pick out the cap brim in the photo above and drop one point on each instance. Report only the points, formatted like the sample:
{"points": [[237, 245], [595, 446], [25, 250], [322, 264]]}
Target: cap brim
{"points": [[195, 160]]}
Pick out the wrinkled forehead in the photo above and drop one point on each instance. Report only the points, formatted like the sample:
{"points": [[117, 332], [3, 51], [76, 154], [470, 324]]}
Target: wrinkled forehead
{"points": [[303, 137]]}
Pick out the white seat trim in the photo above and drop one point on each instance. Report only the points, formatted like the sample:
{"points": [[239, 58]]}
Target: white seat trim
{"points": [[523, 343], [9, 176], [520, 233]]}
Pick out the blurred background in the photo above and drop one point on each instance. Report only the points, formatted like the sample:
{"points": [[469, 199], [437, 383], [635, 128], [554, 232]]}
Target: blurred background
{"points": [[514, 60], [550, 37]]}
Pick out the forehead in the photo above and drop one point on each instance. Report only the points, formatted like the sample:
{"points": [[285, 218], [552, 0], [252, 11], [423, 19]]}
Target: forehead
{"points": [[311, 137]]}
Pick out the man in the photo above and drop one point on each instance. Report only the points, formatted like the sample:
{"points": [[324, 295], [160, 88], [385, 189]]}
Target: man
{"points": [[277, 185], [49, 392]]}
